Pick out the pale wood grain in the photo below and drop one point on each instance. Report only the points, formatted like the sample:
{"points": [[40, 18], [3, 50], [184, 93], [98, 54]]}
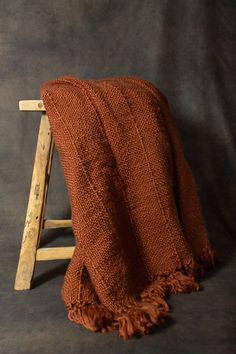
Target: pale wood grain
{"points": [[54, 253], [31, 106], [36, 206], [53, 224]]}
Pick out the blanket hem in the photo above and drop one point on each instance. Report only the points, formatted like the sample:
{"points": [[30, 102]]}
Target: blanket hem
{"points": [[149, 308]]}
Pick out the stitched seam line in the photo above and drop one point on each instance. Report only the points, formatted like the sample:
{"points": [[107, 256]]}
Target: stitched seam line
{"points": [[123, 192], [89, 91], [153, 179], [91, 185]]}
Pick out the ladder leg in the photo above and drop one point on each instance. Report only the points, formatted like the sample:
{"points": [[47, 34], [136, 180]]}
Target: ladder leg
{"points": [[36, 206]]}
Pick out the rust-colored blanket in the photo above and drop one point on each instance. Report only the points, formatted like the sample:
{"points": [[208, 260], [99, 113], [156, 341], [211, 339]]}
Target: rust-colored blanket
{"points": [[136, 215]]}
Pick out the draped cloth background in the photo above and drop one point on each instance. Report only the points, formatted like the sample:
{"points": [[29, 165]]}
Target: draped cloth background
{"points": [[187, 49], [136, 215]]}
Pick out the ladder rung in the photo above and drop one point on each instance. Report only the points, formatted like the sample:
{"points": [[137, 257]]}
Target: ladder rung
{"points": [[54, 253], [53, 224], [31, 105]]}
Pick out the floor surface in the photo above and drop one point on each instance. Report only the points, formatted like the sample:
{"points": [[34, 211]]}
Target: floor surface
{"points": [[35, 321]]}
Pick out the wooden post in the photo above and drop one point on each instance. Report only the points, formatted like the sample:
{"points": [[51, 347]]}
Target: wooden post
{"points": [[36, 206], [34, 222]]}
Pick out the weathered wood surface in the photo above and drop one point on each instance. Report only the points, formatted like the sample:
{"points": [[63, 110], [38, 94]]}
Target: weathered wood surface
{"points": [[31, 106], [54, 253], [36, 206], [54, 224]]}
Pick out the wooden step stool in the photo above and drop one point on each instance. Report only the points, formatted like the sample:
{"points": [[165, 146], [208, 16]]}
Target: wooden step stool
{"points": [[34, 222]]}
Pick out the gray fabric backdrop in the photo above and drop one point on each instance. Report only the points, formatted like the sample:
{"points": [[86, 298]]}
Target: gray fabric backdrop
{"points": [[185, 47]]}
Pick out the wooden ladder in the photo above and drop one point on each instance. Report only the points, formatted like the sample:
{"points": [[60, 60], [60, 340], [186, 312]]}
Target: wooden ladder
{"points": [[34, 222]]}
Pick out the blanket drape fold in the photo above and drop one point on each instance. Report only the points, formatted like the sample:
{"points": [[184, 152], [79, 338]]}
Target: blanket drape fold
{"points": [[139, 229]]}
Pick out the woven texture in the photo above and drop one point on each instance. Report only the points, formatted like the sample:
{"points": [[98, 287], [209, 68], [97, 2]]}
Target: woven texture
{"points": [[136, 215]]}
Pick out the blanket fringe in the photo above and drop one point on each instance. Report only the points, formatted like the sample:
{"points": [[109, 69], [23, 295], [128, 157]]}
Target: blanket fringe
{"points": [[149, 309], [140, 318]]}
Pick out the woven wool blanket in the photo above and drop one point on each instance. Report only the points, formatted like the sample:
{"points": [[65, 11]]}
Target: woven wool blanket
{"points": [[136, 216]]}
